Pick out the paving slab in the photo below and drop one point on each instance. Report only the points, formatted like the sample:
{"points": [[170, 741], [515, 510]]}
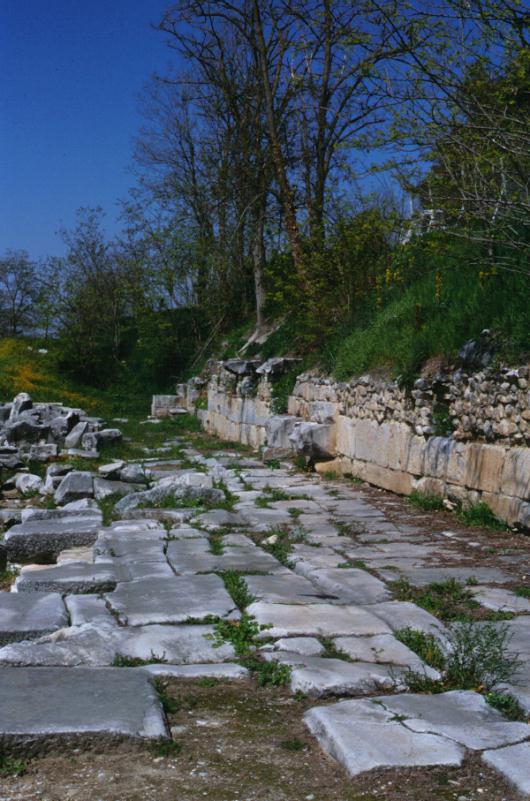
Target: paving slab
{"points": [[42, 707], [307, 646], [88, 609], [420, 577], [226, 670], [317, 620], [514, 764], [499, 599], [351, 585], [90, 644], [185, 644], [383, 648], [72, 578], [363, 735], [49, 537], [318, 676], [29, 616], [403, 614], [172, 600], [460, 715], [285, 588]]}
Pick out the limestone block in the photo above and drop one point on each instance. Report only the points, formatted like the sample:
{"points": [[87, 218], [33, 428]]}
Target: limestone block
{"points": [[345, 432], [456, 463], [341, 466], [431, 486], [392, 480], [314, 439], [367, 440], [416, 458], [437, 452], [323, 411], [396, 438], [504, 507], [516, 473], [484, 466]]}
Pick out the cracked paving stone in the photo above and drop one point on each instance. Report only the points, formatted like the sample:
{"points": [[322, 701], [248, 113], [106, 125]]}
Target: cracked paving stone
{"points": [[318, 620], [27, 616]]}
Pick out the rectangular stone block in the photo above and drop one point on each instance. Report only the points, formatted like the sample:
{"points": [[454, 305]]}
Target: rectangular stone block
{"points": [[515, 478], [484, 467]]}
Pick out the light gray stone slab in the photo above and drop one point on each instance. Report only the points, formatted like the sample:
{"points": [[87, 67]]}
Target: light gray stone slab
{"points": [[218, 518], [462, 716], [72, 578], [403, 614], [26, 617], [49, 537], [383, 648], [514, 764], [88, 609], [263, 519], [81, 554], [351, 585], [135, 569], [103, 488], [74, 646], [172, 600], [306, 558], [420, 577], [224, 671], [179, 645], [77, 484], [57, 706], [497, 598], [319, 676], [362, 735], [318, 620], [307, 646], [284, 588]]}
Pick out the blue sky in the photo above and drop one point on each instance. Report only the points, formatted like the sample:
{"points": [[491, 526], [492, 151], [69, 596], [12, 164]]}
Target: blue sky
{"points": [[70, 73]]}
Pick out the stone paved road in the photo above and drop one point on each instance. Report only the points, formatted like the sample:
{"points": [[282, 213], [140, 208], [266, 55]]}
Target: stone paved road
{"points": [[329, 574]]}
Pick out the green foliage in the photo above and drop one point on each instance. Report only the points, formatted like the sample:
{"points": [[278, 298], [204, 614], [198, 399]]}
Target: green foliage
{"points": [[237, 588], [170, 705], [107, 507], [448, 600], [480, 515], [10, 766], [7, 577], [426, 500], [439, 293], [505, 703], [241, 633], [476, 657], [166, 748], [425, 645], [294, 745], [283, 387], [479, 656], [522, 592], [267, 674]]}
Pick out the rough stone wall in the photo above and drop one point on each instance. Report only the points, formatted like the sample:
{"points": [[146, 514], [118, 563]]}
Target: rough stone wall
{"points": [[464, 436]]}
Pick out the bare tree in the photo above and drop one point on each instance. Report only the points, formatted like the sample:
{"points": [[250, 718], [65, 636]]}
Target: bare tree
{"points": [[18, 291]]}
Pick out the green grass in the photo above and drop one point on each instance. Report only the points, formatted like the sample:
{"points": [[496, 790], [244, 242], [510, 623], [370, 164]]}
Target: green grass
{"points": [[10, 766], [425, 645], [166, 748], [120, 660], [294, 745], [7, 577], [480, 515], [509, 706], [477, 657], [237, 588], [440, 300], [522, 592], [447, 600], [267, 674], [107, 507], [427, 501], [242, 634]]}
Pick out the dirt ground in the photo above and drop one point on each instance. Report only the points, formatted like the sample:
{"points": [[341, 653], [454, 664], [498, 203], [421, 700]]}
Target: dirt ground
{"points": [[238, 742]]}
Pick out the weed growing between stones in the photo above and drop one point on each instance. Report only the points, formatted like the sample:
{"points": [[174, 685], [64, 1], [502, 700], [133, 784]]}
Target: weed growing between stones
{"points": [[506, 703], [267, 674], [425, 645], [107, 508], [241, 633], [7, 577], [477, 658], [9, 766], [230, 498], [166, 748], [480, 515], [428, 501], [294, 745], [448, 600], [331, 651], [237, 588], [522, 592], [273, 464], [170, 705], [120, 660]]}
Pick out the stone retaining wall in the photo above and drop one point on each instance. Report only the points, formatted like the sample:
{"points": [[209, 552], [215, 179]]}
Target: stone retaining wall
{"points": [[462, 435]]}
